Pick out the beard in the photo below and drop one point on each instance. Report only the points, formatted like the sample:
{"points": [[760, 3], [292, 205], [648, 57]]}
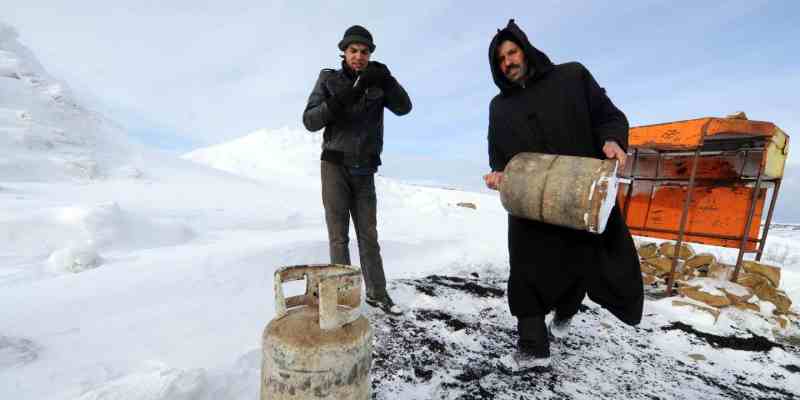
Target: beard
{"points": [[516, 72]]}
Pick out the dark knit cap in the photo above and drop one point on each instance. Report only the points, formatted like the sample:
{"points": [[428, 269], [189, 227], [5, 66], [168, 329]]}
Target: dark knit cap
{"points": [[357, 34]]}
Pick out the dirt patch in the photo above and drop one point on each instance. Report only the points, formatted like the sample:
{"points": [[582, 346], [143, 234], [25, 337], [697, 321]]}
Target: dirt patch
{"points": [[792, 368], [766, 389], [752, 343], [432, 285], [435, 315], [440, 352]]}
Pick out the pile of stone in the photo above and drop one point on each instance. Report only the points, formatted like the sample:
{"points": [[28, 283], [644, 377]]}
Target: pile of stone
{"points": [[707, 285]]}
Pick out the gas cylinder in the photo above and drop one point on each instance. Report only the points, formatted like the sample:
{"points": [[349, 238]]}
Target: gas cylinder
{"points": [[570, 191], [318, 345]]}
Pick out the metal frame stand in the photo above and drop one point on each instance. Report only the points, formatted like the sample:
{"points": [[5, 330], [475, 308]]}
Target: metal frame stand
{"points": [[690, 185]]}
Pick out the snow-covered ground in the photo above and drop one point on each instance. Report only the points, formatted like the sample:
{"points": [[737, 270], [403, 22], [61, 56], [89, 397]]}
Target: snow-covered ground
{"points": [[136, 275], [129, 286], [45, 134]]}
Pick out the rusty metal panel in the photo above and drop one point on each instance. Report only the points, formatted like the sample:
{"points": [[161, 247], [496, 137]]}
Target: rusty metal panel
{"points": [[730, 127], [723, 166], [691, 134], [717, 214], [681, 135]]}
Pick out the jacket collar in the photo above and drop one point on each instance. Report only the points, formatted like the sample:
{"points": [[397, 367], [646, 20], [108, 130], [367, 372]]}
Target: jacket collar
{"points": [[347, 71]]}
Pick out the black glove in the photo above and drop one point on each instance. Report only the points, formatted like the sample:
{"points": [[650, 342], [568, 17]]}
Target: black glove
{"points": [[376, 74], [344, 98]]}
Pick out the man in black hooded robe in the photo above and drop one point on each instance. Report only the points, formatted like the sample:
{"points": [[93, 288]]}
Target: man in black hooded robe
{"points": [[557, 109]]}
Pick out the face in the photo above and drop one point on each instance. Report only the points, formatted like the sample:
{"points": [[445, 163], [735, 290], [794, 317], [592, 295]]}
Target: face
{"points": [[512, 61], [356, 55]]}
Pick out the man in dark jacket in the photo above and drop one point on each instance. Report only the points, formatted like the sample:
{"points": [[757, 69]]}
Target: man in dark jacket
{"points": [[557, 109], [349, 103]]}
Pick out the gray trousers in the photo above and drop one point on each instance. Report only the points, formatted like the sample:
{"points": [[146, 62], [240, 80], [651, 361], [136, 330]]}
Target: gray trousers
{"points": [[345, 195]]}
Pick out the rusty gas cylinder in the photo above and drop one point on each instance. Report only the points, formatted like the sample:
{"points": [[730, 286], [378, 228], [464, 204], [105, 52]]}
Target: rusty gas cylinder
{"points": [[318, 346], [570, 191]]}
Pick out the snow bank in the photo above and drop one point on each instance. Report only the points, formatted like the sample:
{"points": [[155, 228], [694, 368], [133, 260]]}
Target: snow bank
{"points": [[72, 237], [282, 154], [74, 258], [45, 134], [108, 226], [156, 380]]}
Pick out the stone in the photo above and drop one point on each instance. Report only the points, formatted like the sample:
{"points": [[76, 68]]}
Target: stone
{"points": [[720, 271], [648, 279], [747, 307], [691, 272], [713, 311], [767, 271], [697, 357], [667, 249], [778, 297], [662, 264], [788, 314], [751, 280], [702, 271], [698, 266], [737, 298], [468, 205], [648, 268], [737, 115], [782, 322], [700, 260], [648, 250], [687, 275], [713, 300], [782, 302], [683, 283]]}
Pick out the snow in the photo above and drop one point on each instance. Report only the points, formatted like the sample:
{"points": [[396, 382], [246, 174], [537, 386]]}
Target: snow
{"points": [[130, 274], [44, 133], [284, 152]]}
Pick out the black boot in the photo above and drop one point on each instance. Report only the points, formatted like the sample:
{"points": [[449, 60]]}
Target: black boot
{"points": [[533, 347], [559, 326], [385, 303]]}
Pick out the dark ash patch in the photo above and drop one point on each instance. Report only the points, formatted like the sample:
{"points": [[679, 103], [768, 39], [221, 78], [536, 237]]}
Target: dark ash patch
{"points": [[792, 368], [437, 352], [752, 343], [430, 284], [435, 315]]}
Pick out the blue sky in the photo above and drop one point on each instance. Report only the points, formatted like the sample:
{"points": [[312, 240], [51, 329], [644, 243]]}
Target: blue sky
{"points": [[181, 75]]}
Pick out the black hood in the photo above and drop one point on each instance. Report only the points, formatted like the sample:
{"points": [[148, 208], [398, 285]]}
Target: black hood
{"points": [[538, 62]]}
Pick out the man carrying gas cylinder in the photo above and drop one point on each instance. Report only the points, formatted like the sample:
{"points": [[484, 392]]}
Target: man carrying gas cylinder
{"points": [[557, 109]]}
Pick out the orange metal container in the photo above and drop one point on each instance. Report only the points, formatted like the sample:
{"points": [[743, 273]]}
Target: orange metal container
{"points": [[717, 215], [732, 156]]}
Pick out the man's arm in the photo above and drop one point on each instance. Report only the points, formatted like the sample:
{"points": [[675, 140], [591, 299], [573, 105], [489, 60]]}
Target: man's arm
{"points": [[317, 113], [395, 97], [497, 161], [608, 122]]}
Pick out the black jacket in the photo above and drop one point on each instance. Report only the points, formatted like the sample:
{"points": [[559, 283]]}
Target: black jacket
{"points": [[355, 137], [561, 110]]}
